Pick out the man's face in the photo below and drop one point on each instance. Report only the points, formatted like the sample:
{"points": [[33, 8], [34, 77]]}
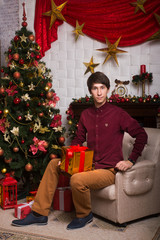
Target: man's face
{"points": [[99, 92]]}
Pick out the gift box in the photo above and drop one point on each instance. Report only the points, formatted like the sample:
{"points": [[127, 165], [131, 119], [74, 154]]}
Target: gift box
{"points": [[63, 199], [31, 197], [63, 181], [76, 159], [22, 210]]}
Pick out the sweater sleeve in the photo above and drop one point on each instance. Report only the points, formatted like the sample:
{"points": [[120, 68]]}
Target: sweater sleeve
{"points": [[81, 132], [131, 126]]}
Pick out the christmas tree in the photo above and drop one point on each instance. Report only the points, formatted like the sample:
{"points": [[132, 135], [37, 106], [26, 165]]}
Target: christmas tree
{"points": [[31, 132]]}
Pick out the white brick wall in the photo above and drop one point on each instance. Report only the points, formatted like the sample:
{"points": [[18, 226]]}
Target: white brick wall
{"points": [[66, 57]]}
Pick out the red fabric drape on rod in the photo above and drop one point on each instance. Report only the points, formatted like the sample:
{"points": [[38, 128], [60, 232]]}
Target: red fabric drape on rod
{"points": [[102, 18]]}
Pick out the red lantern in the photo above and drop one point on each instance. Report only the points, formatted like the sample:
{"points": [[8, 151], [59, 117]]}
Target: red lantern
{"points": [[8, 192]]}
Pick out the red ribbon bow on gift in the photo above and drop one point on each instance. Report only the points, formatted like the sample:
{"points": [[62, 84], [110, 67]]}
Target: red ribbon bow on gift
{"points": [[70, 154]]}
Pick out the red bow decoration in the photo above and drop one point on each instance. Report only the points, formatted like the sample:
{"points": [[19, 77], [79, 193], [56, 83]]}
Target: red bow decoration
{"points": [[70, 154]]}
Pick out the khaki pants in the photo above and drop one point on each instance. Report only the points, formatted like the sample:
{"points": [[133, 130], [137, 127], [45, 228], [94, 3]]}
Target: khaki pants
{"points": [[81, 183]]}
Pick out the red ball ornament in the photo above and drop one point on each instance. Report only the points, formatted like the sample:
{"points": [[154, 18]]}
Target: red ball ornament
{"points": [[122, 100], [2, 90], [49, 84], [19, 118], [38, 57], [24, 24], [15, 149], [21, 61], [42, 94], [52, 156], [12, 173], [41, 114], [1, 111], [87, 99], [17, 101], [1, 152], [61, 140], [22, 141], [9, 50], [31, 129], [2, 70], [39, 104], [140, 99], [45, 144], [156, 96], [16, 56], [127, 100], [28, 167], [9, 160], [27, 104], [16, 38], [16, 75], [148, 99], [31, 37], [49, 95]]}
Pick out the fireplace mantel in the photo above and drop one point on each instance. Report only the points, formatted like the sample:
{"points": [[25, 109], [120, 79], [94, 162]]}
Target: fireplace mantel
{"points": [[146, 114]]}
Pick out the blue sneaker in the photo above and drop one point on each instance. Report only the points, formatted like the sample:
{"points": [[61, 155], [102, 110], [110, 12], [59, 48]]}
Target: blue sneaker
{"points": [[30, 219], [80, 222]]}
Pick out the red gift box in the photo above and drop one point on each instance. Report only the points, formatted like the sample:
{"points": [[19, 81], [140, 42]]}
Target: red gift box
{"points": [[22, 210], [63, 181], [63, 199]]}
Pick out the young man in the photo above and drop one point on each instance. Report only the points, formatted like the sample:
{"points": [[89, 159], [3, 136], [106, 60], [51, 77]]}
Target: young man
{"points": [[104, 125]]}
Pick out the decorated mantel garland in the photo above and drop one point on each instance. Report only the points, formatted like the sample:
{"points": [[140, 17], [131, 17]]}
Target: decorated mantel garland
{"points": [[73, 122]]}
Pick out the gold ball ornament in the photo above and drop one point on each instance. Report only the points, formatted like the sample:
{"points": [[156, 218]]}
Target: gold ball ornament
{"points": [[46, 88], [9, 160], [21, 84], [31, 37], [4, 170], [70, 122], [28, 167], [6, 111], [1, 152], [38, 47]]}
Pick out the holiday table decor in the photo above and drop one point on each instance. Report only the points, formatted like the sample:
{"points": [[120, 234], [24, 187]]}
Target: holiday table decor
{"points": [[142, 78]]}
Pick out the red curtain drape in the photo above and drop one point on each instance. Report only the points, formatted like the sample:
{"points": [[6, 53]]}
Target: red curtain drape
{"points": [[102, 18]]}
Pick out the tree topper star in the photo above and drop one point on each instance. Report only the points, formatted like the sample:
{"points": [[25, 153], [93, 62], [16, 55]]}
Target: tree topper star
{"points": [[111, 50], [139, 5], [55, 12], [78, 30], [90, 66], [157, 34], [23, 38]]}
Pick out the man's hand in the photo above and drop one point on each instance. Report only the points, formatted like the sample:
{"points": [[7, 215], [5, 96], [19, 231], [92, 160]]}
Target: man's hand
{"points": [[123, 165]]}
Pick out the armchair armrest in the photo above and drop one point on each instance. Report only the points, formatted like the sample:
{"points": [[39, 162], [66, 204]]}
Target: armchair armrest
{"points": [[138, 179]]}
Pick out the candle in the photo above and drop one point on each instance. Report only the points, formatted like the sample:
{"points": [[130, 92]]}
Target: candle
{"points": [[143, 69]]}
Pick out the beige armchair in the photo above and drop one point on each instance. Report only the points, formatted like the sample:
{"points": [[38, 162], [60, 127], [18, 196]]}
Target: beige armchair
{"points": [[136, 192]]}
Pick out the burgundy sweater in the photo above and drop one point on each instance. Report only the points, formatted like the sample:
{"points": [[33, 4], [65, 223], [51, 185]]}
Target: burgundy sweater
{"points": [[105, 127]]}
